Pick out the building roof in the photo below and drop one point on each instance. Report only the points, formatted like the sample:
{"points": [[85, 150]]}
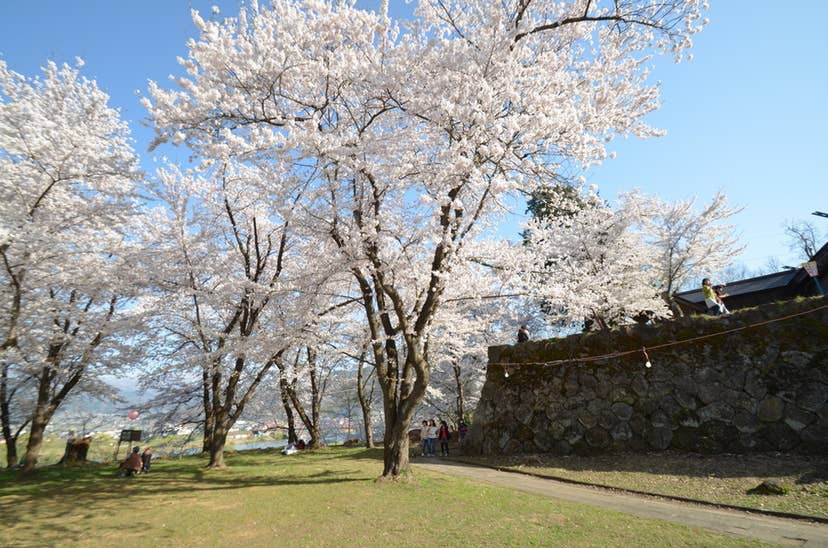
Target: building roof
{"points": [[750, 285]]}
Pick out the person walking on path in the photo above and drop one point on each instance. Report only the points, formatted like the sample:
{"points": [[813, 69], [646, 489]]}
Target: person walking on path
{"points": [[424, 437], [444, 436]]}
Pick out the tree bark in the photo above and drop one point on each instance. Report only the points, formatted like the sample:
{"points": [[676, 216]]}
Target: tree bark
{"points": [[5, 418], [11, 452], [40, 419], [461, 412], [316, 400], [291, 419], [365, 403], [209, 418], [218, 441]]}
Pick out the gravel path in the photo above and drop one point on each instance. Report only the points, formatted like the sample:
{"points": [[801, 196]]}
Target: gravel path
{"points": [[766, 528]]}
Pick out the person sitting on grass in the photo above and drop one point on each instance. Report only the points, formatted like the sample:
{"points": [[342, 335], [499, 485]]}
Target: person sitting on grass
{"points": [[132, 465]]}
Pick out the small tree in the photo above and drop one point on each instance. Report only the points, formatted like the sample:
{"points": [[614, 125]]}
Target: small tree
{"points": [[802, 238]]}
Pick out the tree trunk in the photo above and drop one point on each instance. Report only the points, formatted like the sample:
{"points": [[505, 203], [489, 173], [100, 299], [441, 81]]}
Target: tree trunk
{"points": [[38, 427], [209, 418], [44, 409], [672, 305], [11, 452], [313, 429], [365, 404], [291, 419], [461, 412], [395, 456], [217, 442], [316, 401], [5, 418]]}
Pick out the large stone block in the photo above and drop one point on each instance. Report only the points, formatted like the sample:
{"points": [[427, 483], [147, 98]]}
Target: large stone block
{"points": [[781, 437], [622, 410], [812, 396], [755, 385], [597, 438], [716, 411], [771, 409], [815, 438], [659, 437]]}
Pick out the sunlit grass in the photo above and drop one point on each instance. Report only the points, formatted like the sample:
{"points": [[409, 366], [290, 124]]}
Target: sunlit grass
{"points": [[325, 498]]}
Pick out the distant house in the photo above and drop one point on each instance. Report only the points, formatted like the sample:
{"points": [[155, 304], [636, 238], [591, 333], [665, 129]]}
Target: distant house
{"points": [[779, 286]]}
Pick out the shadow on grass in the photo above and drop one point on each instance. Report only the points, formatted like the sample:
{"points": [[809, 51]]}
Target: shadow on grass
{"points": [[61, 492]]}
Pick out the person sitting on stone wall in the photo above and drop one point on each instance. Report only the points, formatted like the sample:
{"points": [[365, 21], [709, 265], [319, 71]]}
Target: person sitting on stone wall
{"points": [[714, 302]]}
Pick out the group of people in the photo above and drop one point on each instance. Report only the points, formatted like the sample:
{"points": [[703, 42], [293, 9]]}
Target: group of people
{"points": [[430, 433], [137, 462]]}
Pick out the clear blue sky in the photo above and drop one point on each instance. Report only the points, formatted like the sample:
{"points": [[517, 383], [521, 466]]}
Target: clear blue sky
{"points": [[748, 115]]}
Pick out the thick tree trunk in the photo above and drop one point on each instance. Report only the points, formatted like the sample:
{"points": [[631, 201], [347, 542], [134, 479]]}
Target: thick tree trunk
{"points": [[395, 456], [218, 440], [36, 430]]}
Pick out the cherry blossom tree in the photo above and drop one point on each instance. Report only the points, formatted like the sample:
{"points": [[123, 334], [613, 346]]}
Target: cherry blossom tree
{"points": [[235, 293], [66, 202], [409, 140], [691, 243], [592, 266]]}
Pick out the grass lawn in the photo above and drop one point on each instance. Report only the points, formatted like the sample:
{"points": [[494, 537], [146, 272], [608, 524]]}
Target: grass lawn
{"points": [[722, 479], [324, 498]]}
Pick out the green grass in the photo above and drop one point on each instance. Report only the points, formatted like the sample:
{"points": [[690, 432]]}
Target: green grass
{"points": [[326, 498], [721, 479]]}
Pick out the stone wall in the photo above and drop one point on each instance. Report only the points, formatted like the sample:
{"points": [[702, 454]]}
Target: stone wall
{"points": [[757, 389]]}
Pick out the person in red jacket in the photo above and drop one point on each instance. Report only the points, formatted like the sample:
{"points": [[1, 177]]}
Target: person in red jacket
{"points": [[443, 435]]}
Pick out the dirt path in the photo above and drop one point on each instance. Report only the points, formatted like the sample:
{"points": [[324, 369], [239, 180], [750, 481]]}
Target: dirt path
{"points": [[766, 528]]}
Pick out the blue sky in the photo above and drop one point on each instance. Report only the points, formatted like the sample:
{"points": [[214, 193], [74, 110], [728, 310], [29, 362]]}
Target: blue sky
{"points": [[748, 115]]}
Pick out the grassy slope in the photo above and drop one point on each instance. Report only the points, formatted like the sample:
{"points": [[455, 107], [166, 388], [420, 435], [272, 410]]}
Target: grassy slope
{"points": [[327, 498]]}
